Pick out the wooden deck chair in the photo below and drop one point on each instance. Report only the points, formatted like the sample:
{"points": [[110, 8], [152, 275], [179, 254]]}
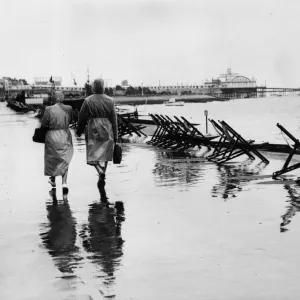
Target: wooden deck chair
{"points": [[234, 145], [179, 139], [295, 148], [162, 131], [198, 137], [125, 127], [220, 146], [187, 135], [157, 131], [169, 132], [171, 136]]}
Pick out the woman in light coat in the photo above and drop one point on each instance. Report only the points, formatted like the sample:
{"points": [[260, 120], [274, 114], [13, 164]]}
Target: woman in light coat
{"points": [[58, 142], [98, 119]]}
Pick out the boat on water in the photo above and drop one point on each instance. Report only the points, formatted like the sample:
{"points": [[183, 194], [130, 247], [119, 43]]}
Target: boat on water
{"points": [[173, 102]]}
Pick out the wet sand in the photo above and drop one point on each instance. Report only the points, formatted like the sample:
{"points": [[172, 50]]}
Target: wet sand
{"points": [[183, 228]]}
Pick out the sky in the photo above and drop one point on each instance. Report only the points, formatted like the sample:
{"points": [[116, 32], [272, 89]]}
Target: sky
{"points": [[151, 42]]}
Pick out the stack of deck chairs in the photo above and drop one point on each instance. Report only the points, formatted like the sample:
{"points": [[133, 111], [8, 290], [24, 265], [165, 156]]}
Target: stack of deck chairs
{"points": [[179, 134]]}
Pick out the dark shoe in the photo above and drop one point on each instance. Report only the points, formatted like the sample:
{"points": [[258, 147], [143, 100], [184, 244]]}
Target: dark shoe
{"points": [[65, 191], [104, 200], [52, 194]]}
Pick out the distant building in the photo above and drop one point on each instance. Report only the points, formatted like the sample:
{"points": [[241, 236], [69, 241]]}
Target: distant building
{"points": [[179, 89], [231, 80], [46, 81], [124, 83]]}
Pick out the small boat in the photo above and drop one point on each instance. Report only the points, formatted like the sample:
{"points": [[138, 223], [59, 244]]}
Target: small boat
{"points": [[173, 102]]}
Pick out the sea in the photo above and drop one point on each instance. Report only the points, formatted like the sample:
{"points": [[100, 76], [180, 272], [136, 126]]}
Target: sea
{"points": [[179, 227]]}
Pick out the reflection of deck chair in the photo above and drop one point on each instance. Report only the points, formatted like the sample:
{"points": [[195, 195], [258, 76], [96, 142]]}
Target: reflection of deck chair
{"points": [[232, 145], [125, 127], [294, 149]]}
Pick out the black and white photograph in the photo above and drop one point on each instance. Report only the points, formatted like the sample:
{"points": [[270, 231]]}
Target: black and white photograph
{"points": [[149, 150]]}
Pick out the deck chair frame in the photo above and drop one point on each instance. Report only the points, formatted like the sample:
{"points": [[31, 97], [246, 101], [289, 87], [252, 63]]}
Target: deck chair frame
{"points": [[286, 168], [232, 145]]}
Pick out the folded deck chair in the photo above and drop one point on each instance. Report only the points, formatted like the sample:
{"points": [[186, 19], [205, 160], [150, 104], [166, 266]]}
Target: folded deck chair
{"points": [[182, 136], [197, 137], [232, 145], [157, 130], [125, 127], [294, 149], [174, 137]]}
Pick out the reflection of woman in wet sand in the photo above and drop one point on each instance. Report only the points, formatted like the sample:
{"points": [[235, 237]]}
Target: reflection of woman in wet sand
{"points": [[59, 235], [102, 236]]}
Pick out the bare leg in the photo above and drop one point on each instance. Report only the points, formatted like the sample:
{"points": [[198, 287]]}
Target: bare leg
{"points": [[65, 177], [101, 182], [52, 181], [105, 166], [99, 169]]}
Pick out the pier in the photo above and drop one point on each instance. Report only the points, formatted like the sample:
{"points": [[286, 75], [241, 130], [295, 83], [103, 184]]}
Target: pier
{"points": [[255, 92], [276, 91]]}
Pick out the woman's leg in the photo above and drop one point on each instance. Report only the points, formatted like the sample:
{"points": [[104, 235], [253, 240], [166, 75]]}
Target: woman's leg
{"points": [[99, 169], [105, 166], [52, 181], [101, 182], [65, 177], [64, 183]]}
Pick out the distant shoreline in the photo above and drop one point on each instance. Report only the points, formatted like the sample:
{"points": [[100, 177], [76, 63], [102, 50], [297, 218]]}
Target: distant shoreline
{"points": [[140, 100]]}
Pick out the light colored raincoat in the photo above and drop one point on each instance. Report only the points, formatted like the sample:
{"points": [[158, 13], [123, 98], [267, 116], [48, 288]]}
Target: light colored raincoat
{"points": [[99, 120], [58, 142]]}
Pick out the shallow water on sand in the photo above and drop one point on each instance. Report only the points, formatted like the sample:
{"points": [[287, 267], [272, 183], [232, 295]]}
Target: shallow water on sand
{"points": [[182, 227]]}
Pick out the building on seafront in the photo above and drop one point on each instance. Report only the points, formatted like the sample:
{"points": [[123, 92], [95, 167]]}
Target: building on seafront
{"points": [[226, 85], [42, 87], [233, 85]]}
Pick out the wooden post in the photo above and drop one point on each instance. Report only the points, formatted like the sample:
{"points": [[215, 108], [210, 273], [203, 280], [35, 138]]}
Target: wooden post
{"points": [[206, 113]]}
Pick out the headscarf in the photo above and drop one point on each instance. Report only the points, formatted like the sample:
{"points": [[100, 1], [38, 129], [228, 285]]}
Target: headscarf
{"points": [[98, 86], [58, 96]]}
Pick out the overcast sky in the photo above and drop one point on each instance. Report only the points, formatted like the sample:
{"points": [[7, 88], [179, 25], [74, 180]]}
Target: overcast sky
{"points": [[147, 41]]}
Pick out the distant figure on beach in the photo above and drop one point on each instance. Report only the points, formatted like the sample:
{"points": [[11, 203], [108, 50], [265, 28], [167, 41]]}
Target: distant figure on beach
{"points": [[58, 142], [98, 119]]}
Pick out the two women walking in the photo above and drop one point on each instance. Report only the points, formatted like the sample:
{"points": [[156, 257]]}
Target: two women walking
{"points": [[98, 119]]}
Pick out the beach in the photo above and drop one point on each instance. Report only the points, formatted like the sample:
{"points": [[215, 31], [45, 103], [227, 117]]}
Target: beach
{"points": [[182, 227]]}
